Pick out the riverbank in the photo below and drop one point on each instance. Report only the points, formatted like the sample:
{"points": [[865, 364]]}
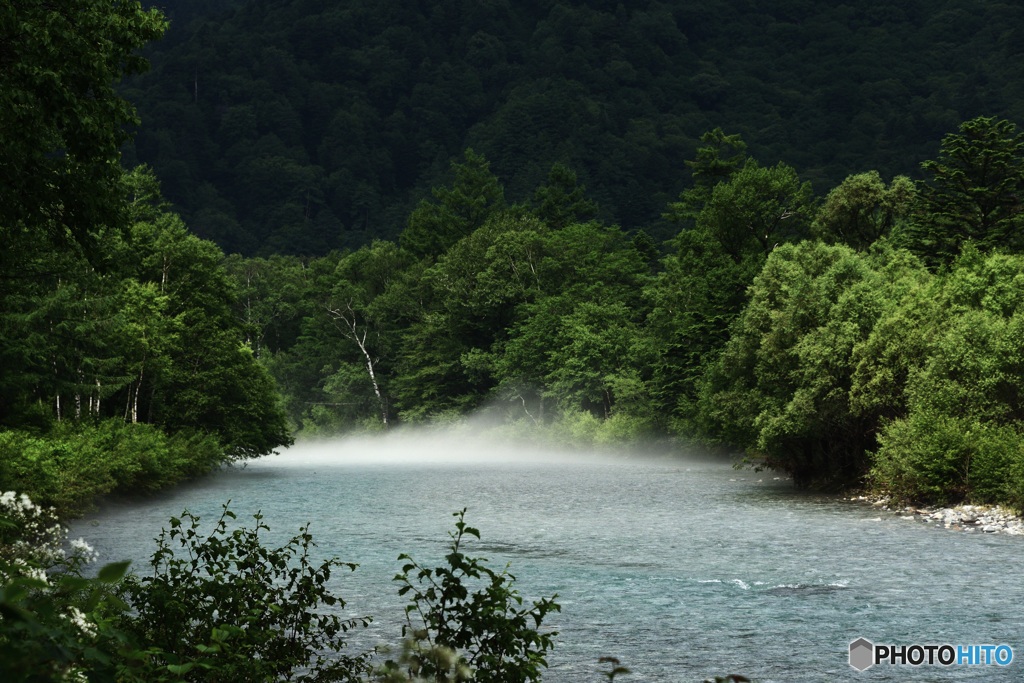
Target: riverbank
{"points": [[986, 519]]}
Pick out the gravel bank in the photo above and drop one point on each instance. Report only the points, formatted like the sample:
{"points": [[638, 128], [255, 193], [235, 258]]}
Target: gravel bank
{"points": [[985, 519]]}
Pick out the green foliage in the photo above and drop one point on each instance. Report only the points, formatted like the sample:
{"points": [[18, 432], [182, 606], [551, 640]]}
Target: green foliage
{"points": [[562, 201], [55, 624], [269, 301], [844, 362], [939, 458], [303, 126], [708, 170], [61, 122], [225, 607], [692, 305], [193, 364], [801, 353], [862, 210], [109, 308], [457, 211], [421, 662], [757, 209], [74, 464], [468, 301], [959, 434], [577, 337], [497, 635], [972, 193], [734, 216], [357, 311], [782, 385], [150, 339], [592, 354]]}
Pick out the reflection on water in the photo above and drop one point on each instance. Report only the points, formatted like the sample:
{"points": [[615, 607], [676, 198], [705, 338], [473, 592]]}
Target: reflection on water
{"points": [[682, 568]]}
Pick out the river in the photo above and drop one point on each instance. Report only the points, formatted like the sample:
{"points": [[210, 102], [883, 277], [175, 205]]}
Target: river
{"points": [[682, 567]]}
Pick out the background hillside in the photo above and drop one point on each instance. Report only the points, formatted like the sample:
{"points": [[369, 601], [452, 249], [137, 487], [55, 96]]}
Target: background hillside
{"points": [[298, 126]]}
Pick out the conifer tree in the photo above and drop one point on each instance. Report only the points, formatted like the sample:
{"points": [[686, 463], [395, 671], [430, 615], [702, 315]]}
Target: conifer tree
{"points": [[456, 211], [973, 192]]}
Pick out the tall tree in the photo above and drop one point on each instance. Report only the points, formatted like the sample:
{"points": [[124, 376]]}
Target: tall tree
{"points": [[781, 388], [717, 161], [758, 209], [61, 122], [973, 192], [736, 224], [360, 278], [457, 211], [61, 128], [562, 201], [862, 209]]}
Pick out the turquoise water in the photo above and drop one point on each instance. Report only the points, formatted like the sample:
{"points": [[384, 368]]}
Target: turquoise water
{"points": [[682, 568]]}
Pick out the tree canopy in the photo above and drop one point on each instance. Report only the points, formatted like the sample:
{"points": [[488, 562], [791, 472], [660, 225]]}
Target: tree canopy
{"points": [[972, 192], [299, 126], [62, 123], [122, 366]]}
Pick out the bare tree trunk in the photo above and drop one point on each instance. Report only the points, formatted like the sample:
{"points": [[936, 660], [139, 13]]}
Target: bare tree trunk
{"points": [[135, 399], [351, 330], [56, 377], [525, 410], [78, 396]]}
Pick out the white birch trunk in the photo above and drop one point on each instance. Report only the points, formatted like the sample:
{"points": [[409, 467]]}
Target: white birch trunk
{"points": [[351, 329]]}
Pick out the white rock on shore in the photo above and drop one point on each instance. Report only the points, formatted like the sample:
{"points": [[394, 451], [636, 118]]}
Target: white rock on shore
{"points": [[987, 519]]}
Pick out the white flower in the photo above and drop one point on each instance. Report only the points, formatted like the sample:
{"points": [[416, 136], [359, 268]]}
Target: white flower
{"points": [[83, 624], [82, 549], [76, 676], [30, 572]]}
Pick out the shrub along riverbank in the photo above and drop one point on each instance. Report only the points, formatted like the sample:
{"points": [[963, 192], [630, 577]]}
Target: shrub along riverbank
{"points": [[221, 606], [72, 465], [845, 363]]}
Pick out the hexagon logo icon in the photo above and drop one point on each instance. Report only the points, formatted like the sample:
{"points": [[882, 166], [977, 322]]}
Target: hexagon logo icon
{"points": [[862, 654]]}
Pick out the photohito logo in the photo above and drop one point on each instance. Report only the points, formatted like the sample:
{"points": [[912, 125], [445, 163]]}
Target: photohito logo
{"points": [[864, 654]]}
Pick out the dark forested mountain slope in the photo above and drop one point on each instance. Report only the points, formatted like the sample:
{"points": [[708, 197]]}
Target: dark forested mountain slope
{"points": [[297, 126]]}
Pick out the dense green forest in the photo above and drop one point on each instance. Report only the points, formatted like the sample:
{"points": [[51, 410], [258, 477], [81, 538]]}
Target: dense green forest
{"points": [[122, 365], [848, 326], [780, 319], [871, 332], [299, 126]]}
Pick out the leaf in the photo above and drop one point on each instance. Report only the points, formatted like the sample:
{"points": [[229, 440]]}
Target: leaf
{"points": [[113, 572]]}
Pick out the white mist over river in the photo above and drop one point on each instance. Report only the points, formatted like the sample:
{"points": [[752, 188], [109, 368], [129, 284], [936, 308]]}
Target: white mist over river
{"points": [[683, 567]]}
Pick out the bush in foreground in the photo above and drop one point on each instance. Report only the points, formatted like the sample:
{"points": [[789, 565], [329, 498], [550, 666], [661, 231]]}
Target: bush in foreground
{"points": [[223, 607]]}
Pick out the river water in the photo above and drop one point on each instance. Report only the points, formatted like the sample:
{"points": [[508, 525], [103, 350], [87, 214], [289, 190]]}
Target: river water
{"points": [[681, 567]]}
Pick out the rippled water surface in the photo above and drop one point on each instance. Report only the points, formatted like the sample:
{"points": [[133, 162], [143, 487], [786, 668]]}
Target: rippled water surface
{"points": [[683, 568]]}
